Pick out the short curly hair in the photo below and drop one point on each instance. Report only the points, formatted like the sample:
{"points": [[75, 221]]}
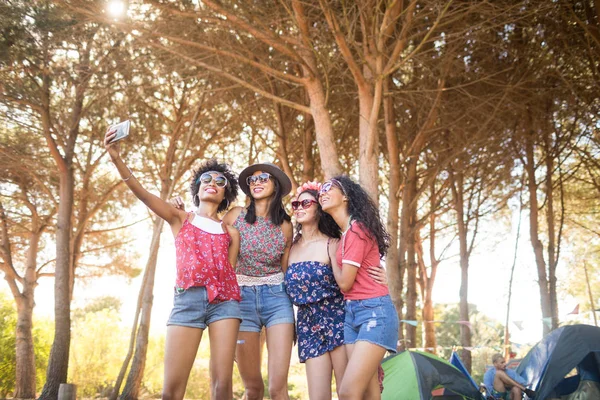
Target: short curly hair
{"points": [[231, 190]]}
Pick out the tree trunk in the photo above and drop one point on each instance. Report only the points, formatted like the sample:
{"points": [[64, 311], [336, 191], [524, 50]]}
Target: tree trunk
{"points": [[368, 141], [281, 135], [136, 373], [58, 364], [408, 217], [308, 161], [330, 162], [457, 183], [538, 248], [552, 258], [25, 355], [429, 327], [392, 260]]}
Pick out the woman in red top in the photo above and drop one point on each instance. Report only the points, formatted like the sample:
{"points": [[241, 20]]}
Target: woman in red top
{"points": [[206, 291], [371, 323]]}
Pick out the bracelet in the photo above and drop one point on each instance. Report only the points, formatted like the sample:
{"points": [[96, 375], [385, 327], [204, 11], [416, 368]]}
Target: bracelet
{"points": [[129, 177]]}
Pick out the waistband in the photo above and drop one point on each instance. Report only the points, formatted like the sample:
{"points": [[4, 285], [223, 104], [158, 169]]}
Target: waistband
{"points": [[384, 298], [274, 279]]}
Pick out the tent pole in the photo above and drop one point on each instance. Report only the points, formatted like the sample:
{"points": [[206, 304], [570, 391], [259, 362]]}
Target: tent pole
{"points": [[587, 280]]}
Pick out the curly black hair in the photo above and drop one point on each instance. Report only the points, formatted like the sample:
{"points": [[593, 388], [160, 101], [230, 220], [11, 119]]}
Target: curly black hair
{"points": [[326, 223], [231, 190], [362, 209], [277, 213]]}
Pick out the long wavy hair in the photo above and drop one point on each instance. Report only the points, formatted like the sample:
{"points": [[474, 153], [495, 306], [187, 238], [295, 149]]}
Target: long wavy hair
{"points": [[326, 223], [277, 213], [231, 190], [362, 209]]}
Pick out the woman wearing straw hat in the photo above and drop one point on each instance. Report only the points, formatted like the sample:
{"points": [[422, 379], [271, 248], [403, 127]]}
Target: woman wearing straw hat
{"points": [[265, 239]]}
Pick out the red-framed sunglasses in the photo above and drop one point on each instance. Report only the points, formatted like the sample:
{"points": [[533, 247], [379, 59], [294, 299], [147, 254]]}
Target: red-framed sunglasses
{"points": [[306, 203]]}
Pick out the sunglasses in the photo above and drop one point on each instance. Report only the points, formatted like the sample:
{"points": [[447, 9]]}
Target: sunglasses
{"points": [[260, 178], [326, 187], [206, 178], [306, 203]]}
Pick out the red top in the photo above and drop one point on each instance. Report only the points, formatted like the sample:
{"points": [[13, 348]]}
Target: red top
{"points": [[202, 260], [359, 249]]}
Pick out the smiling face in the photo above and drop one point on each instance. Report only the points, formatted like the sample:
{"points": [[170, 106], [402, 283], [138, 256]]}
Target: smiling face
{"points": [[261, 188], [212, 190], [309, 214], [331, 196]]}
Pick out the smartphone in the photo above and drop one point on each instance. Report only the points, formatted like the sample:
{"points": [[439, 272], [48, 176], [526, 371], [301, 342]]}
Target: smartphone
{"points": [[122, 130]]}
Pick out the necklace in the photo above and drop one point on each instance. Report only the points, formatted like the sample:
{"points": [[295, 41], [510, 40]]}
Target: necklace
{"points": [[305, 242]]}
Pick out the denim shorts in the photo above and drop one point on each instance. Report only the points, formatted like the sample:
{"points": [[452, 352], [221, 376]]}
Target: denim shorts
{"points": [[265, 305], [372, 320], [191, 308]]}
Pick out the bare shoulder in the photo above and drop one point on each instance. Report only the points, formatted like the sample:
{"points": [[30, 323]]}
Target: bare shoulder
{"points": [[231, 215]]}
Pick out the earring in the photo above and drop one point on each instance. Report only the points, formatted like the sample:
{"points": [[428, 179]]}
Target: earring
{"points": [[227, 206], [194, 198]]}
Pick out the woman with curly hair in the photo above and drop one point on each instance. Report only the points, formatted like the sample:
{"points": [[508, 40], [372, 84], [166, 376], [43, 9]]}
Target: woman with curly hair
{"points": [[371, 323], [206, 291], [311, 285]]}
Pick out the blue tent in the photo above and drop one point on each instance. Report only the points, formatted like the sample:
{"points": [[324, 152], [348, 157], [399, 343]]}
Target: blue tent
{"points": [[556, 355], [455, 360]]}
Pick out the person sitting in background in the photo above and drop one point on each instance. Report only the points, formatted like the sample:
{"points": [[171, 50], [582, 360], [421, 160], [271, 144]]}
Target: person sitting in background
{"points": [[505, 383]]}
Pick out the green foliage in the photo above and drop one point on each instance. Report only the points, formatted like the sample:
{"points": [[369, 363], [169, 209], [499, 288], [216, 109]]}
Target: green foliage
{"points": [[8, 324], [42, 341], [97, 346]]}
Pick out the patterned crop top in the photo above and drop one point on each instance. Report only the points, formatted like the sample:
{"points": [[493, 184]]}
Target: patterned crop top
{"points": [[262, 245]]}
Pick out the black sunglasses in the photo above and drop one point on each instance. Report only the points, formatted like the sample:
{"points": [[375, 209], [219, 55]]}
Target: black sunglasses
{"points": [[260, 178], [306, 203], [207, 178]]}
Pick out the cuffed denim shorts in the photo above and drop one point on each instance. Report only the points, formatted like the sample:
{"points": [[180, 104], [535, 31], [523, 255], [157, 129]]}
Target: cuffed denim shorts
{"points": [[265, 305], [191, 308], [372, 320]]}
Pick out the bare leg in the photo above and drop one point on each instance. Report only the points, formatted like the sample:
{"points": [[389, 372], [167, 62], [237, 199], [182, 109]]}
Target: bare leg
{"points": [[373, 391], [339, 359], [280, 339], [181, 347], [318, 374], [248, 361], [516, 393], [363, 360], [222, 350]]}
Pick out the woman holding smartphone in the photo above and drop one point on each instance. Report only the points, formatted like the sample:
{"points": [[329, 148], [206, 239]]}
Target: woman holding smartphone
{"points": [[265, 234], [312, 287], [371, 322], [206, 291]]}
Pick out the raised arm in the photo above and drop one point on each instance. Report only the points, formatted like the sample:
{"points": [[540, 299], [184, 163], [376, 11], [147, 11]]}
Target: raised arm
{"points": [[160, 207]]}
